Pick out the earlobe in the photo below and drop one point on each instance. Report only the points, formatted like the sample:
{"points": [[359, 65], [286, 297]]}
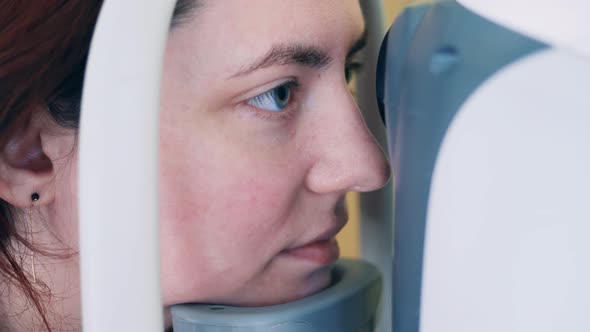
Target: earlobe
{"points": [[24, 166]]}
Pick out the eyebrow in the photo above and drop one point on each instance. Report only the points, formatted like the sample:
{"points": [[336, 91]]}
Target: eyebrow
{"points": [[305, 55], [308, 56]]}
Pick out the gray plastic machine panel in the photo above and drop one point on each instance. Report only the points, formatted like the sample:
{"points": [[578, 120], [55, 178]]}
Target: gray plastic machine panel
{"points": [[349, 305], [432, 59]]}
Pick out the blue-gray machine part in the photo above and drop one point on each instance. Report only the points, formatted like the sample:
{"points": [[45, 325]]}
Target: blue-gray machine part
{"points": [[432, 59], [350, 304]]}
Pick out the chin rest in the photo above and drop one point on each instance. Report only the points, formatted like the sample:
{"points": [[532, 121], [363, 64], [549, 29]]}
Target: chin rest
{"points": [[349, 305]]}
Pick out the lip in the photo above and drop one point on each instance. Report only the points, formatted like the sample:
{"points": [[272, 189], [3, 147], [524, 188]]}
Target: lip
{"points": [[322, 249], [322, 252]]}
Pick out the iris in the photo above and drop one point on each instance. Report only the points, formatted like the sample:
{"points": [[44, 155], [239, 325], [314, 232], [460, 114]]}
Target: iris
{"points": [[275, 100]]}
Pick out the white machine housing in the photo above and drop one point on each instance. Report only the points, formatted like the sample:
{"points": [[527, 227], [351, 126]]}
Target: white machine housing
{"points": [[503, 238], [508, 221]]}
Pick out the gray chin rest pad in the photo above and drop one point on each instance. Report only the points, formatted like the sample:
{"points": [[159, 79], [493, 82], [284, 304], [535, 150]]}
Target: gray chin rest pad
{"points": [[350, 304]]}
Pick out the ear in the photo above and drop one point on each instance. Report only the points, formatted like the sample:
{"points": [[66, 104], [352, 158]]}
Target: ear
{"points": [[25, 168]]}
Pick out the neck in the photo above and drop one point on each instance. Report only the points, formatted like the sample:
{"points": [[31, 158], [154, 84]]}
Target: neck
{"points": [[56, 289]]}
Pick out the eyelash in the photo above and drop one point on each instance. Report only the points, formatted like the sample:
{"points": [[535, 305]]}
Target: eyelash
{"points": [[294, 87], [350, 70]]}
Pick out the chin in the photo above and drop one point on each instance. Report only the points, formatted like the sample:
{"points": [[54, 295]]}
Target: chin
{"points": [[318, 281], [288, 291], [266, 295]]}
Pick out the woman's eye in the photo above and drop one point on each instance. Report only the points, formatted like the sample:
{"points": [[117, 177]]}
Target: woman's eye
{"points": [[275, 100]]}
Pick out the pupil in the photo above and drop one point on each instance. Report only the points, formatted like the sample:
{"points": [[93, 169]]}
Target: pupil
{"points": [[282, 94]]}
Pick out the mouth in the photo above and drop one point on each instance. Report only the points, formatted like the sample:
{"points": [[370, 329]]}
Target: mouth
{"points": [[323, 249], [322, 252]]}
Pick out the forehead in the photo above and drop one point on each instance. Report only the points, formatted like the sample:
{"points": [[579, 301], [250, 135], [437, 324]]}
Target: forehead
{"points": [[234, 29]]}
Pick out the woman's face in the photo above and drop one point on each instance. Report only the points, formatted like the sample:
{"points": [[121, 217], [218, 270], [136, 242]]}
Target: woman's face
{"points": [[260, 141]]}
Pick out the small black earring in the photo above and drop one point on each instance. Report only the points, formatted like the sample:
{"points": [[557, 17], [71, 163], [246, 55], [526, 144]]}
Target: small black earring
{"points": [[34, 198]]}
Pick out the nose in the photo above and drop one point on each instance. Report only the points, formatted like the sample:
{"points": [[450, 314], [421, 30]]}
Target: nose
{"points": [[348, 158]]}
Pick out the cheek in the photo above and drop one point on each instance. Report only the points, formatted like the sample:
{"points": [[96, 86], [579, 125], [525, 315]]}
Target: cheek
{"points": [[221, 207], [258, 209], [225, 207]]}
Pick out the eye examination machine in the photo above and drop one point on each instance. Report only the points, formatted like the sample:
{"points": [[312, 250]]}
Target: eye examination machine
{"points": [[486, 108], [487, 111]]}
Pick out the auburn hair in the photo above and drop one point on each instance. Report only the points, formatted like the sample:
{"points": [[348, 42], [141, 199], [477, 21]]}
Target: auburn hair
{"points": [[43, 50]]}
